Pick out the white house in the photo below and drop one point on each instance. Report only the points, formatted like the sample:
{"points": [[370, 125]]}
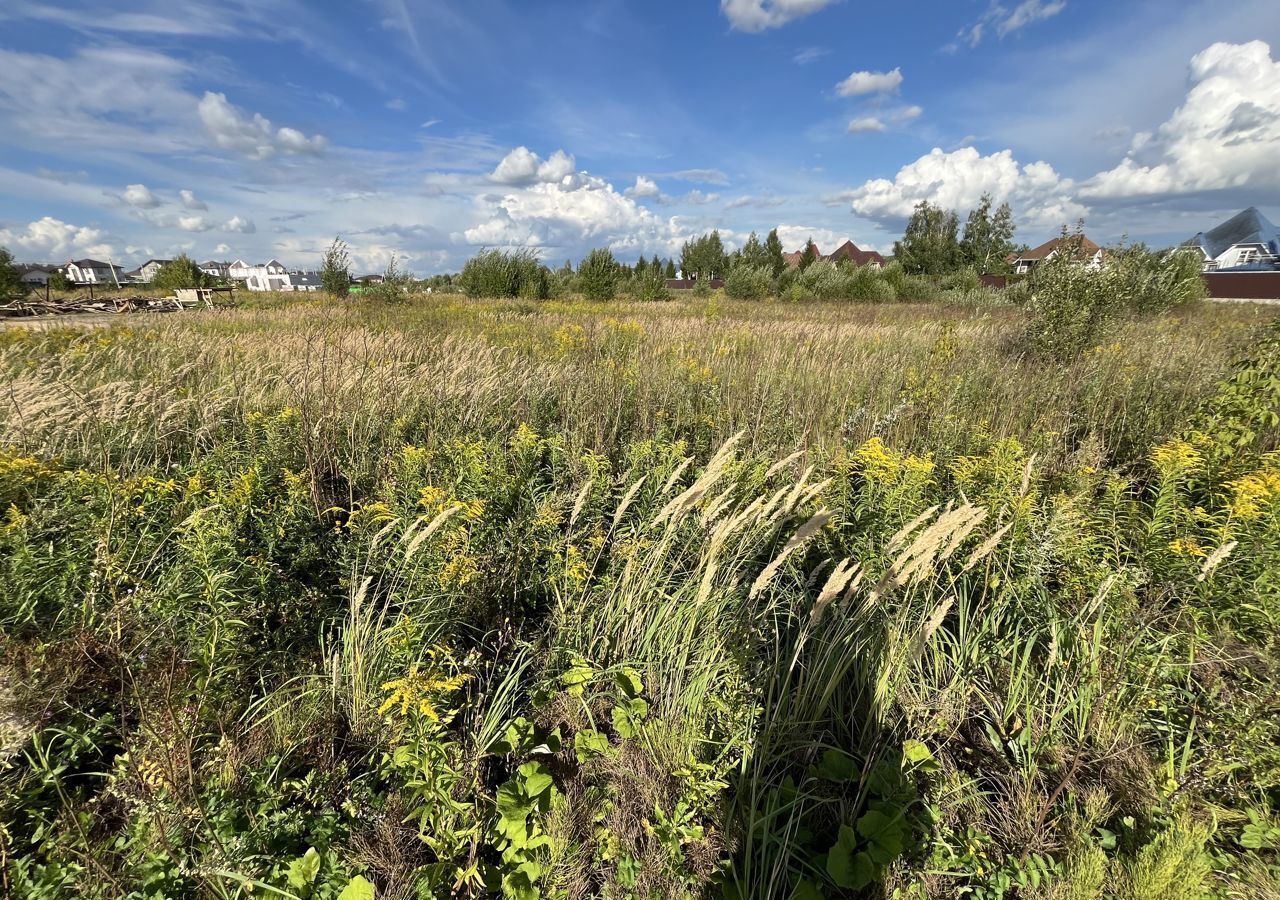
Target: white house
{"points": [[91, 271], [1245, 241], [147, 271], [215, 269], [1090, 255], [273, 276]]}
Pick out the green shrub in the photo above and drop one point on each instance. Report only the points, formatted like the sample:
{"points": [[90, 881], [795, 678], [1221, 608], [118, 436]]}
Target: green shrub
{"points": [[505, 273], [335, 270], [1174, 866], [10, 284], [649, 285], [749, 282], [179, 273], [598, 275]]}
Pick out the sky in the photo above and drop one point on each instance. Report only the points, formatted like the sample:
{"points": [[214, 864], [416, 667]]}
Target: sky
{"points": [[424, 131]]}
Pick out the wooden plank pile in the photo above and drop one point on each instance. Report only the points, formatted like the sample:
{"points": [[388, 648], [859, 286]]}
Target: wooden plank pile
{"points": [[87, 303]]}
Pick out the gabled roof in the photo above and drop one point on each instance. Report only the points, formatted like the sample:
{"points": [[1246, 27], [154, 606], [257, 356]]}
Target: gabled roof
{"points": [[1045, 250], [849, 250], [163, 262], [93, 264], [1247, 227]]}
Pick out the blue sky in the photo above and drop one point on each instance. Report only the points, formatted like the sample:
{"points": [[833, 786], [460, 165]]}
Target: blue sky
{"points": [[424, 130]]}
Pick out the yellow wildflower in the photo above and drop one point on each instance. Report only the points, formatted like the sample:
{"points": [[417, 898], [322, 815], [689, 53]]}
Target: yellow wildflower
{"points": [[1175, 457], [1186, 547], [420, 691], [1253, 493]]}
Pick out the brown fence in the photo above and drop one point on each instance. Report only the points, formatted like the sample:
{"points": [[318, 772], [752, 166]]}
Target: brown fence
{"points": [[994, 281], [1243, 285], [688, 284]]}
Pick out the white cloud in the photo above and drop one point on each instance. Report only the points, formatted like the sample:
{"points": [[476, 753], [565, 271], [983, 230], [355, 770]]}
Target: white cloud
{"points": [[644, 187], [760, 15], [571, 214], [522, 166], [397, 104], [140, 197], [900, 116], [191, 201], [222, 249], [866, 125], [957, 180], [861, 83], [1004, 21], [558, 167], [253, 136], [1225, 135], [52, 240], [239, 225], [193, 223]]}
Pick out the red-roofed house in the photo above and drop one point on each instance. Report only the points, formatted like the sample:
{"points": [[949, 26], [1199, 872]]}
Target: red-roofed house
{"points": [[1090, 255], [849, 250]]}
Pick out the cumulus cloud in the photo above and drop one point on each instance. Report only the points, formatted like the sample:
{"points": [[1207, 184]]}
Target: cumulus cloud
{"points": [[571, 214], [522, 167], [1004, 20], [644, 187], [239, 225], [52, 240], [191, 201], [192, 223], [761, 15], [222, 249], [254, 135], [139, 196], [957, 180], [1224, 136], [861, 83]]}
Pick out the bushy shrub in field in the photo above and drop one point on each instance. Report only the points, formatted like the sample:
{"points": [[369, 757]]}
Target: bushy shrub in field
{"points": [[598, 275], [1071, 304], [866, 283], [648, 285], [749, 282], [335, 269], [178, 273], [504, 273]]}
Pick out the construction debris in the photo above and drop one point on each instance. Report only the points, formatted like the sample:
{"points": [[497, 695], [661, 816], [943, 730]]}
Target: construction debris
{"points": [[197, 298]]}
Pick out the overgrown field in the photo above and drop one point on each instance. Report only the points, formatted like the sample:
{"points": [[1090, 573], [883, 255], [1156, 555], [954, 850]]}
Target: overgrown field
{"points": [[702, 598]]}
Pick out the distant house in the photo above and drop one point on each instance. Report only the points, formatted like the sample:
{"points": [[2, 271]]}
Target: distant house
{"points": [[147, 271], [92, 271], [846, 251], [35, 275], [371, 279], [215, 269], [849, 250], [1245, 241], [1090, 255], [273, 276]]}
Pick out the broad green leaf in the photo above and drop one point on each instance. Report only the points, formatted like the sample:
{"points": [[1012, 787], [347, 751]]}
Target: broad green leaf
{"points": [[589, 744], [837, 766], [536, 778], [628, 680], [357, 888], [304, 869]]}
